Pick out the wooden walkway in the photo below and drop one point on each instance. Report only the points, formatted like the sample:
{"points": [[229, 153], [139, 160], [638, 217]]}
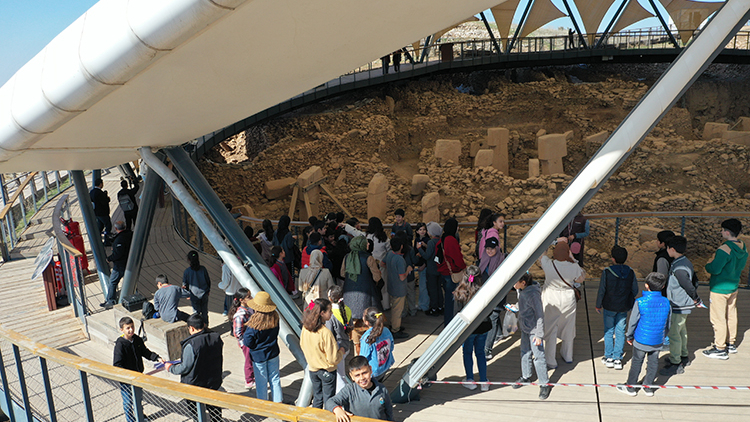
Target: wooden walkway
{"points": [[166, 254]]}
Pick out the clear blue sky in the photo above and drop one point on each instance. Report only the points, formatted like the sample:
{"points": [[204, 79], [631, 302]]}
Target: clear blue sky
{"points": [[27, 26]]}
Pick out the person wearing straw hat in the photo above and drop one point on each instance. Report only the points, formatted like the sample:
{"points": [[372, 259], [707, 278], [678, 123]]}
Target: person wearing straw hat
{"points": [[262, 338]]}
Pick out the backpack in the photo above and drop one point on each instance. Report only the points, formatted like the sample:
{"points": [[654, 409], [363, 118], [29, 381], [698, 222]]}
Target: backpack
{"points": [[148, 310], [126, 203]]}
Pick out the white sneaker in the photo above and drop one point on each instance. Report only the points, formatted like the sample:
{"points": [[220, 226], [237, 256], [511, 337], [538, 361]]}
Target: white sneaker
{"points": [[617, 364], [470, 386], [609, 363], [486, 387]]}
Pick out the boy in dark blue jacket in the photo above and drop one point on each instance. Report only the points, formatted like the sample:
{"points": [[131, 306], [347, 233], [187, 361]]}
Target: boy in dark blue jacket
{"points": [[617, 291], [649, 323]]}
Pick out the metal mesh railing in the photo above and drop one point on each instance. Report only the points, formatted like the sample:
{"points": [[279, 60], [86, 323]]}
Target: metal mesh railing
{"points": [[52, 385]]}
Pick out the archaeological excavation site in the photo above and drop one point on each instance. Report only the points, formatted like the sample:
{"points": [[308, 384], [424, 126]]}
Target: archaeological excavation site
{"points": [[511, 145]]}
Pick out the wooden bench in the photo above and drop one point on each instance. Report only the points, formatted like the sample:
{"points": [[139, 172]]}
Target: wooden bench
{"points": [[162, 337]]}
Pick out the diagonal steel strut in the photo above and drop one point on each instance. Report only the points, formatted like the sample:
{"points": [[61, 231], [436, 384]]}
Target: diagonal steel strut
{"points": [[653, 106]]}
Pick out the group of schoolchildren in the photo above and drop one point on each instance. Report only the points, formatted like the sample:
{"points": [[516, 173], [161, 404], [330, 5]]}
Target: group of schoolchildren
{"points": [[657, 318]]}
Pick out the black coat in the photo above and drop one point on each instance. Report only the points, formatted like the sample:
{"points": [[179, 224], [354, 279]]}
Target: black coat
{"points": [[129, 355], [120, 249], [208, 360], [100, 201]]}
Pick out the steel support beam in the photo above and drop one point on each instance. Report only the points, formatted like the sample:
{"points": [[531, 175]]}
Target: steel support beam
{"points": [[235, 236], [664, 24], [492, 34], [288, 335], [653, 106], [611, 23], [521, 23], [425, 49], [141, 231], [92, 228], [581, 38]]}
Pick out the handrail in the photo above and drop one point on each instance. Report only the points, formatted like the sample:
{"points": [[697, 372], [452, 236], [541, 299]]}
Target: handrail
{"points": [[16, 194], [58, 231], [599, 216], [224, 400], [473, 54]]}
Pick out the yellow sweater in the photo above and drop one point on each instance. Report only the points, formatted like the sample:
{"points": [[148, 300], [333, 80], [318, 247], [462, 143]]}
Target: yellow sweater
{"points": [[320, 349]]}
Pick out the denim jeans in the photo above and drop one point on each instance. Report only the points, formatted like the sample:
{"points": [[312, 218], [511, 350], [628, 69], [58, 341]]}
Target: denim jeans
{"points": [[539, 361], [114, 280], [268, 373], [200, 306], [424, 296], [475, 343], [448, 286], [496, 330], [614, 325], [128, 405], [324, 386]]}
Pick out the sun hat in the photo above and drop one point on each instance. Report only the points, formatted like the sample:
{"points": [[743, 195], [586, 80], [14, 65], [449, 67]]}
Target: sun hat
{"points": [[262, 303]]}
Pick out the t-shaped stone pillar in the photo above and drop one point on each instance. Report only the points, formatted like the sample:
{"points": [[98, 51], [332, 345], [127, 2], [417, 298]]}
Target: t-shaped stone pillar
{"points": [[448, 150], [377, 196], [497, 141], [309, 190], [431, 207], [552, 148]]}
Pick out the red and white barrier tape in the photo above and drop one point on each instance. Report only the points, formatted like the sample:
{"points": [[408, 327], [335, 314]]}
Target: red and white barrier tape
{"points": [[562, 384]]}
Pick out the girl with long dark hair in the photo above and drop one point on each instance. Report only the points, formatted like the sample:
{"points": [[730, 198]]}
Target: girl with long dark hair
{"points": [[451, 261], [376, 343], [240, 313]]}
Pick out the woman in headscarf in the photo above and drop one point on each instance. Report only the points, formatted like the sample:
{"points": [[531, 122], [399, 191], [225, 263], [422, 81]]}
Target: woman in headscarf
{"points": [[283, 237], [360, 272], [561, 274], [315, 280], [380, 248]]}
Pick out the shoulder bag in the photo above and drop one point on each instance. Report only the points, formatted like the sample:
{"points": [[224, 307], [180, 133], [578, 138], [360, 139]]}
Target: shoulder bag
{"points": [[309, 289], [575, 289], [456, 277]]}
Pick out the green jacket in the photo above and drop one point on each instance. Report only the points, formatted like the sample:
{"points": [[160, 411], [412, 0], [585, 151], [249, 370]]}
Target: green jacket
{"points": [[726, 267]]}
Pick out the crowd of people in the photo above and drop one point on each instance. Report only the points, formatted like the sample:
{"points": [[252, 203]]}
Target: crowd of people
{"points": [[347, 279]]}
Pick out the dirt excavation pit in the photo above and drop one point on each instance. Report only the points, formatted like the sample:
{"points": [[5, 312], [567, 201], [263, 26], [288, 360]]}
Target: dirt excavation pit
{"points": [[393, 129]]}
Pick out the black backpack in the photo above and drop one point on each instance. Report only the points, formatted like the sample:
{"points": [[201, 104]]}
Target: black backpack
{"points": [[126, 203], [148, 310]]}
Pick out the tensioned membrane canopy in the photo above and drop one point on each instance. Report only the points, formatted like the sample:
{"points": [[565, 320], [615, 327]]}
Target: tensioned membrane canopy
{"points": [[158, 73]]}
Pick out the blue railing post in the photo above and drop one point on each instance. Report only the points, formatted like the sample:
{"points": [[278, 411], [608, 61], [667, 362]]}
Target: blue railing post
{"points": [[86, 394], [48, 390], [6, 390], [617, 230], [22, 382], [137, 393], [682, 228], [201, 410]]}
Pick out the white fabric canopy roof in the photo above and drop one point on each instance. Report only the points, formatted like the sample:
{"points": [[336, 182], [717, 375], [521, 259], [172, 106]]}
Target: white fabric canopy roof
{"points": [[160, 73]]}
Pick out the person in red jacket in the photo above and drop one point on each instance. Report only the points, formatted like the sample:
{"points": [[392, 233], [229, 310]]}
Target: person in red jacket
{"points": [[450, 261]]}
